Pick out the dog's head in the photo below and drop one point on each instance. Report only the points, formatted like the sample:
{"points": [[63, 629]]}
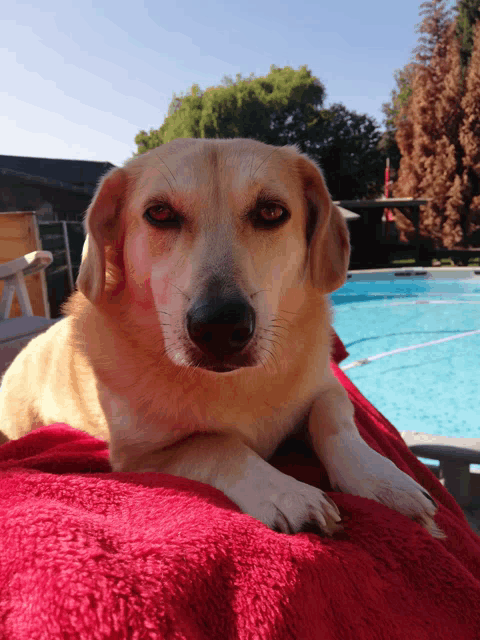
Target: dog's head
{"points": [[216, 244]]}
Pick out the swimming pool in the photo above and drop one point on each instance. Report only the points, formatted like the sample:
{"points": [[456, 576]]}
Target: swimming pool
{"points": [[413, 336]]}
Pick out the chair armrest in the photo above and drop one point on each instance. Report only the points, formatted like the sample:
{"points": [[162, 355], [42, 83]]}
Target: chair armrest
{"points": [[27, 264], [13, 273], [455, 456], [446, 453]]}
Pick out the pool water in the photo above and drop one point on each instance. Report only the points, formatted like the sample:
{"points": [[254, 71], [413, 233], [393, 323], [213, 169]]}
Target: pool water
{"points": [[434, 388]]}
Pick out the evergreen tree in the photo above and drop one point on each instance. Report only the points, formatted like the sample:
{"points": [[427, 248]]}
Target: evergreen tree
{"points": [[426, 148], [436, 21], [447, 185], [470, 140], [400, 97], [468, 14], [423, 101], [408, 176]]}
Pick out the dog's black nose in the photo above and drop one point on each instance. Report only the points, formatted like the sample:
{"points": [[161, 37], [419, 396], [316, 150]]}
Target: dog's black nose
{"points": [[221, 327]]}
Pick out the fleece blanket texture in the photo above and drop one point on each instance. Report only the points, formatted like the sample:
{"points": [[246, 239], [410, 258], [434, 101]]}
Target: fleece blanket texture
{"points": [[89, 554]]}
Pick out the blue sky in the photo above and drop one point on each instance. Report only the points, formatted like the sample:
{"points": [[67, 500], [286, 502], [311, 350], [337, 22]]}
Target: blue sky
{"points": [[79, 79]]}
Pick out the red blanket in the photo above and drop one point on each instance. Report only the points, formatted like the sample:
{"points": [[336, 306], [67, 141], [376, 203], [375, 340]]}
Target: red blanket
{"points": [[89, 554]]}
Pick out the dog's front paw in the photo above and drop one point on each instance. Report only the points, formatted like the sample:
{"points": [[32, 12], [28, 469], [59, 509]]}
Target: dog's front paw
{"points": [[353, 467], [285, 504]]}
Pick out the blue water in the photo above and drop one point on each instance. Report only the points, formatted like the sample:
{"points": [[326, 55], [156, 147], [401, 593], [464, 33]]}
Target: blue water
{"points": [[435, 389]]}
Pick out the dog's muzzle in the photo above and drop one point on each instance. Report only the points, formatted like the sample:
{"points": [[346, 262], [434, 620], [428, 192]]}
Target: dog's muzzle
{"points": [[221, 328]]}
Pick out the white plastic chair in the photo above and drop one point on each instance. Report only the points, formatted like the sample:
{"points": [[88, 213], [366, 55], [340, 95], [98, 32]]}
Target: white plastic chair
{"points": [[15, 333]]}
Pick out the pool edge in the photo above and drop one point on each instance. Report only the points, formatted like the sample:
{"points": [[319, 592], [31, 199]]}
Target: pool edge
{"points": [[416, 272]]}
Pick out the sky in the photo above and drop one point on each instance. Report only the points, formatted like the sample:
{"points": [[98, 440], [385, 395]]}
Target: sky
{"points": [[79, 79]]}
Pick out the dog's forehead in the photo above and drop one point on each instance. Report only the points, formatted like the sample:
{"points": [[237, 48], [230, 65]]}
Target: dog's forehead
{"points": [[209, 167]]}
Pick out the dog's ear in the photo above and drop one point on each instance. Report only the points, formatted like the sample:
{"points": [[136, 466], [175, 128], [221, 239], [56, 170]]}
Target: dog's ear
{"points": [[101, 229], [326, 230]]}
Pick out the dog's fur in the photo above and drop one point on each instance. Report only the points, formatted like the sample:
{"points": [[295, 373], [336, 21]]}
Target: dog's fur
{"points": [[123, 366]]}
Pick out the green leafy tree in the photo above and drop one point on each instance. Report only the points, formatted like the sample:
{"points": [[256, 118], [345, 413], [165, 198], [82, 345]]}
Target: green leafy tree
{"points": [[276, 108], [284, 107], [345, 144]]}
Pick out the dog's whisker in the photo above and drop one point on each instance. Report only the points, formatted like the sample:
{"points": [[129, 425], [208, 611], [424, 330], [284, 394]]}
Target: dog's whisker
{"points": [[270, 334], [182, 292], [271, 354], [251, 165], [260, 291], [277, 326], [292, 312], [166, 165], [165, 177], [263, 162]]}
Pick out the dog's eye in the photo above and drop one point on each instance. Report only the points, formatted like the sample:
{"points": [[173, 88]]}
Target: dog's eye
{"points": [[161, 215], [270, 215]]}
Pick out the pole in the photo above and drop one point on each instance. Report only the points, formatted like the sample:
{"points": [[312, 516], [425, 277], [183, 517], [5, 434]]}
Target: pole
{"points": [[387, 192]]}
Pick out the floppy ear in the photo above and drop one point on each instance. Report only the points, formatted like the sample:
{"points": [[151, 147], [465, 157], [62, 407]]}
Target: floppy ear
{"points": [[100, 225], [326, 229]]}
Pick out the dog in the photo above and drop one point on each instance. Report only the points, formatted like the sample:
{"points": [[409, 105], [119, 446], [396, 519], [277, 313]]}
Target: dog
{"points": [[200, 334]]}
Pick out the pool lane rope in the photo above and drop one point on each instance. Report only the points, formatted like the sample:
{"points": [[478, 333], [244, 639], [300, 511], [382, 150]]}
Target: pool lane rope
{"points": [[359, 363]]}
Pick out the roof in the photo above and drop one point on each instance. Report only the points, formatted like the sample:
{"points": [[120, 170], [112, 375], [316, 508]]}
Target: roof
{"points": [[76, 175]]}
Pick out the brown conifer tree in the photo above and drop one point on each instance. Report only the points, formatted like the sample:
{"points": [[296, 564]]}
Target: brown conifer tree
{"points": [[418, 133], [437, 19], [446, 191], [407, 181], [469, 136]]}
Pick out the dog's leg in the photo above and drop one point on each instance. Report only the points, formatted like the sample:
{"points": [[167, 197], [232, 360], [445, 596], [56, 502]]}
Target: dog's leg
{"points": [[353, 467], [225, 462]]}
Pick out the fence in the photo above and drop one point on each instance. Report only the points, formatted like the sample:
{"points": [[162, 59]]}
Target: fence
{"points": [[65, 241]]}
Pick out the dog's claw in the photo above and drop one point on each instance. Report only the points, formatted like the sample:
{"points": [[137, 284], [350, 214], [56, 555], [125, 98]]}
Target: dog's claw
{"points": [[427, 495]]}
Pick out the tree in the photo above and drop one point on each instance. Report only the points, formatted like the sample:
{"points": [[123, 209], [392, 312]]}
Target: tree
{"points": [[447, 184], [345, 144], [469, 136], [400, 97], [428, 163], [408, 177], [436, 21], [183, 122], [279, 107], [468, 14], [437, 126], [284, 107]]}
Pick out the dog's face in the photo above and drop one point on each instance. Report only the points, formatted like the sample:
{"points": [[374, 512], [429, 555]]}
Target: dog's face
{"points": [[217, 242]]}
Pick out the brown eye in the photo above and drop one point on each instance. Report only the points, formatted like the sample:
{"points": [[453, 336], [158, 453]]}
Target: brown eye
{"points": [[270, 215], [159, 212], [272, 212], [161, 215]]}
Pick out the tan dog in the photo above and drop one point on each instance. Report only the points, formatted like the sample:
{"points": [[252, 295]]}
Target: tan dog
{"points": [[200, 335]]}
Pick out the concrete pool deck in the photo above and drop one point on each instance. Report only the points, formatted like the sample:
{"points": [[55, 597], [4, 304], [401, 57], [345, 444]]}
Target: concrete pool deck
{"points": [[415, 272]]}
